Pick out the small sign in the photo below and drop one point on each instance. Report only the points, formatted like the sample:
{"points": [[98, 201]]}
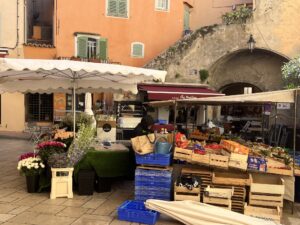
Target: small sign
{"points": [[106, 127], [283, 105]]}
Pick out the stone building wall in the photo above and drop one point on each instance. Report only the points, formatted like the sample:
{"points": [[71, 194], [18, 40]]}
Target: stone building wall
{"points": [[274, 26]]}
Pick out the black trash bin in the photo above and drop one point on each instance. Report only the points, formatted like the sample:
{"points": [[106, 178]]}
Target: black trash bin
{"points": [[297, 189], [103, 184], [86, 180]]}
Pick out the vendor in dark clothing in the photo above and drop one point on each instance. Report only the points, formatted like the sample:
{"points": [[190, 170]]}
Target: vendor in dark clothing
{"points": [[143, 128]]}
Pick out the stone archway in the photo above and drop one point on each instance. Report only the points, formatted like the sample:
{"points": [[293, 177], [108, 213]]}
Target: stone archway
{"points": [[260, 68], [238, 88]]}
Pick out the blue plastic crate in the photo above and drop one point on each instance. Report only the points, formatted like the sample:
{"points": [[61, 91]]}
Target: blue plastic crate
{"points": [[146, 197], [147, 183], [154, 159], [157, 175], [154, 193], [135, 211], [153, 189]]}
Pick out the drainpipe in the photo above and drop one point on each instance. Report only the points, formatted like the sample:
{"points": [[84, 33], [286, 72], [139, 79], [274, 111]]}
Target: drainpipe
{"points": [[17, 41]]}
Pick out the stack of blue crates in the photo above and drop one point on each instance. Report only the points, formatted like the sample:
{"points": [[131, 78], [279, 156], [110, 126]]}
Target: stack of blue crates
{"points": [[153, 184]]}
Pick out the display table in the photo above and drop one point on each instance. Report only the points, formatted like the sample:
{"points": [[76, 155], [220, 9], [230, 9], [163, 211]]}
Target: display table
{"points": [[108, 161]]}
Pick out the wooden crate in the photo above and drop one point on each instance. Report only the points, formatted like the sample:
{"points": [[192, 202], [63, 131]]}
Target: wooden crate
{"points": [[264, 213], [183, 154], [238, 161], [182, 193], [204, 173], [200, 159], [266, 191], [238, 197], [219, 161], [286, 172], [218, 192], [235, 147], [266, 184], [218, 196], [233, 179]]}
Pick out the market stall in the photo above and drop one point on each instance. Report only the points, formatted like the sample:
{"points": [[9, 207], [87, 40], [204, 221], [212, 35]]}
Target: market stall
{"points": [[225, 161]]}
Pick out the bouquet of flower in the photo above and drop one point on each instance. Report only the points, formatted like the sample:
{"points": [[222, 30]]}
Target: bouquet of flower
{"points": [[27, 155], [30, 166], [48, 148]]}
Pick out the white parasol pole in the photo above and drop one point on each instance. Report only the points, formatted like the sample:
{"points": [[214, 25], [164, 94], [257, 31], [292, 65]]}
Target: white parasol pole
{"points": [[88, 108], [74, 109]]}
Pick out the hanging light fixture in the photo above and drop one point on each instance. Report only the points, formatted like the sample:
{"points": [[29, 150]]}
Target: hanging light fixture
{"points": [[251, 43]]}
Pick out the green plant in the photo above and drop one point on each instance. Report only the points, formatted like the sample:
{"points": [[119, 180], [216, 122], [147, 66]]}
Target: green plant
{"points": [[238, 16], [81, 145], [81, 118], [291, 73], [47, 148], [203, 75]]}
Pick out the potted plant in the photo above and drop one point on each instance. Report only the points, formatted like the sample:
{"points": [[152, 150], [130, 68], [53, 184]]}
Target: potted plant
{"points": [[31, 166], [48, 148]]}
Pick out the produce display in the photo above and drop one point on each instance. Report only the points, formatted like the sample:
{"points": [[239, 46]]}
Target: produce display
{"points": [[235, 153]]}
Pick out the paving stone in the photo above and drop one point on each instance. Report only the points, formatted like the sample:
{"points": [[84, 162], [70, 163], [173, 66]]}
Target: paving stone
{"points": [[57, 201], [5, 217], [73, 212], [74, 202], [19, 210], [93, 220], [93, 203], [47, 209], [119, 222], [5, 208]]}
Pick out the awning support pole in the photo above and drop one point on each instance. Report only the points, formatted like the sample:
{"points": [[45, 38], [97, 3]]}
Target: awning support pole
{"points": [[175, 116], [74, 109], [294, 137]]}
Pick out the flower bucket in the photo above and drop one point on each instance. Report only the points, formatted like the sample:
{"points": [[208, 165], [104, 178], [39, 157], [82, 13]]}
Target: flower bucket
{"points": [[32, 183], [162, 147]]}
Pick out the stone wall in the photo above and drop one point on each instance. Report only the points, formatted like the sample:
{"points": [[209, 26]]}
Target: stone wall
{"points": [[274, 26]]}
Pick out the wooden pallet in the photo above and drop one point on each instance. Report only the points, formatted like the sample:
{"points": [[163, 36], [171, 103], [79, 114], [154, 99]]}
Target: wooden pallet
{"points": [[183, 154], [182, 193], [218, 197], [264, 213], [234, 179], [204, 173], [220, 161]]}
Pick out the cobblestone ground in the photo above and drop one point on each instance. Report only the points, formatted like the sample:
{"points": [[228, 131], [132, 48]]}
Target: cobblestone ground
{"points": [[19, 207]]}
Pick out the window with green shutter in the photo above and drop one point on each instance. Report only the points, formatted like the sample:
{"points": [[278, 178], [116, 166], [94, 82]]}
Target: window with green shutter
{"points": [[92, 47], [82, 43], [137, 50], [117, 8], [102, 48], [162, 5], [186, 21]]}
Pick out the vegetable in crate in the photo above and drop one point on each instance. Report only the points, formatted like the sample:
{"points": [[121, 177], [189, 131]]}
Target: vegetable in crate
{"points": [[181, 141]]}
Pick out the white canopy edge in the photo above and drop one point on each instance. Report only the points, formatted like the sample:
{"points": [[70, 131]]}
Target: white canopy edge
{"points": [[282, 96], [8, 64]]}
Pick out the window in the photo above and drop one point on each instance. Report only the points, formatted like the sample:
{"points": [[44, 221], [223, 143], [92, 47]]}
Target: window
{"points": [[162, 5], [117, 8], [80, 102], [39, 107], [137, 50], [91, 47], [186, 21]]}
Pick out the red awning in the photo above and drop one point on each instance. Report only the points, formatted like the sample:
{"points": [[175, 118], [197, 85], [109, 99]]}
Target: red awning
{"points": [[176, 91]]}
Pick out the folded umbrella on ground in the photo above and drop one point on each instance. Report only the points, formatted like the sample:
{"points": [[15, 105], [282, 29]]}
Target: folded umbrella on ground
{"points": [[196, 213]]}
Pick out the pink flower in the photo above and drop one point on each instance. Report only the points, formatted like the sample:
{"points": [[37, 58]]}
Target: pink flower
{"points": [[27, 155], [46, 144]]}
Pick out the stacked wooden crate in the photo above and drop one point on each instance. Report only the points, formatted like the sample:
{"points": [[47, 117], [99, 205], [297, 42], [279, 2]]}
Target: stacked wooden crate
{"points": [[266, 191], [182, 193], [237, 181], [218, 196], [204, 173], [265, 197]]}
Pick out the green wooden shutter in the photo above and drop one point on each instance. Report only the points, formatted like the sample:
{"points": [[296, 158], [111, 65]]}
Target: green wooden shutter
{"points": [[112, 8], [82, 47], [137, 50], [122, 9], [102, 48], [186, 22]]}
